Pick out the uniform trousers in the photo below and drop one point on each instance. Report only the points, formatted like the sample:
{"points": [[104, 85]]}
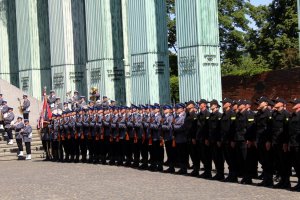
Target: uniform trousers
{"points": [[182, 152], [28, 147], [295, 158], [195, 154], [171, 153], [20, 144]]}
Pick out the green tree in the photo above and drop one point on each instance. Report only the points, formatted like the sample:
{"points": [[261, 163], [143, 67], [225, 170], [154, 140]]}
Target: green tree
{"points": [[233, 28], [174, 85], [276, 38], [171, 20]]}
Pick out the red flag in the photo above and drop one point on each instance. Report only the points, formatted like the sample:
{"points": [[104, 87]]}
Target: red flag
{"points": [[46, 113]]}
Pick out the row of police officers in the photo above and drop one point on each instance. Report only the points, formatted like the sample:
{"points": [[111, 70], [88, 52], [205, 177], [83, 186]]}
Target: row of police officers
{"points": [[140, 136]]}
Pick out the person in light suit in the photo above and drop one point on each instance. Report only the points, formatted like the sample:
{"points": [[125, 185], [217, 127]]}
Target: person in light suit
{"points": [[27, 137]]}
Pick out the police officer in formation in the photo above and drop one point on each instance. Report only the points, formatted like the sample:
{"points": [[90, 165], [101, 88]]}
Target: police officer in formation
{"points": [[137, 136]]}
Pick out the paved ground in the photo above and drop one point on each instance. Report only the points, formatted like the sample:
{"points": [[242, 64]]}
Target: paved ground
{"points": [[47, 180]]}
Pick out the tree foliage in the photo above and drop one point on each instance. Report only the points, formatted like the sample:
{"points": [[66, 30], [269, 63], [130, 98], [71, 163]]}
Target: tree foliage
{"points": [[253, 39], [174, 85], [276, 38]]}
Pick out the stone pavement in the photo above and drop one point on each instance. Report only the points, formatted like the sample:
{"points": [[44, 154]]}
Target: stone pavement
{"points": [[47, 180]]}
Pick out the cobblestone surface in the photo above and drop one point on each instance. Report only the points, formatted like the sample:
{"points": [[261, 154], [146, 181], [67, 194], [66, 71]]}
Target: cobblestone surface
{"points": [[47, 180]]}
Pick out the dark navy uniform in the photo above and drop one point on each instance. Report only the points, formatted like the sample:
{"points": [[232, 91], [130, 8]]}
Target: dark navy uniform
{"points": [[294, 143], [169, 139], [181, 139], [215, 143], [262, 137], [145, 140], [98, 136], [227, 128], [157, 144], [106, 133], [279, 140], [201, 148], [138, 134], [84, 136], [78, 134], [243, 122], [123, 138]]}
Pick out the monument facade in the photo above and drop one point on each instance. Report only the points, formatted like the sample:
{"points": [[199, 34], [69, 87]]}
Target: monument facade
{"points": [[68, 46], [8, 41], [105, 48], [117, 46], [148, 46], [199, 52], [33, 45]]}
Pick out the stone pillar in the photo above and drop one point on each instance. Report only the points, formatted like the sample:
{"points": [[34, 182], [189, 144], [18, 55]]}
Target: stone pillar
{"points": [[105, 48], [8, 41], [198, 50], [126, 51], [148, 46], [33, 45], [68, 46]]}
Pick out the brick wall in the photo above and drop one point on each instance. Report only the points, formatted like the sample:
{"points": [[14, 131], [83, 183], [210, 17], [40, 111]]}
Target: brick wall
{"points": [[280, 83]]}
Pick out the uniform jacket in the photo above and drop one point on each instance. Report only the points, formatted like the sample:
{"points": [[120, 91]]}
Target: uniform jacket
{"points": [[27, 133], [8, 119], [294, 130], [26, 106], [138, 125], [122, 126], [262, 123], [106, 124], [179, 129], [202, 125], [166, 127], [279, 127], [214, 126], [227, 125], [18, 126], [155, 127]]}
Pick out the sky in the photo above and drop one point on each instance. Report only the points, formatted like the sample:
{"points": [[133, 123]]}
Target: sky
{"points": [[260, 2]]}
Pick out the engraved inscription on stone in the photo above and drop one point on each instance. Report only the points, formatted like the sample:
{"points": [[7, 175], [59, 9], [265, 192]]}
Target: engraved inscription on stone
{"points": [[76, 77], [159, 67], [25, 83], [210, 61], [115, 74], [138, 69], [58, 80], [187, 64], [95, 74]]}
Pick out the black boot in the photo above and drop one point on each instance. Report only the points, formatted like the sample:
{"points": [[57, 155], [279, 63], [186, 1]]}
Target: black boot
{"points": [[266, 183], [194, 173], [218, 177], [231, 179], [206, 175], [284, 183], [246, 181], [170, 170], [296, 188], [182, 171]]}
